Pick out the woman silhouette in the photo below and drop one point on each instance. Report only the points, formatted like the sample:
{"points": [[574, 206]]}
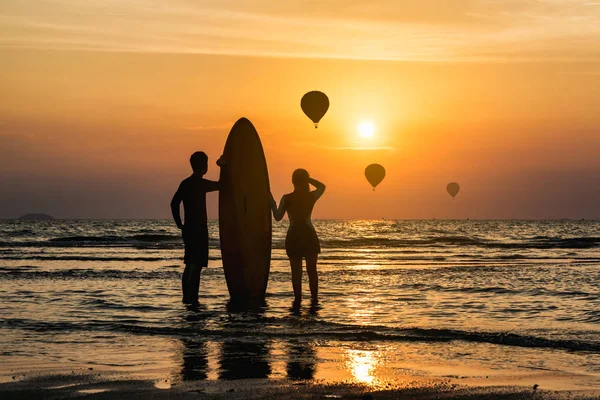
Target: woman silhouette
{"points": [[301, 240]]}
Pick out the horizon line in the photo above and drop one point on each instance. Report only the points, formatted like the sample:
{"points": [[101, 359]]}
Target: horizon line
{"points": [[597, 219]]}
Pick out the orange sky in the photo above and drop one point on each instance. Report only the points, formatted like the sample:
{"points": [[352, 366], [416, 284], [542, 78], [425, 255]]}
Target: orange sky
{"points": [[104, 102]]}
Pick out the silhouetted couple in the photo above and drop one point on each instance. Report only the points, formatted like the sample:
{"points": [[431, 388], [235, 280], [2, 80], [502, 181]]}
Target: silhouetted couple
{"points": [[301, 241]]}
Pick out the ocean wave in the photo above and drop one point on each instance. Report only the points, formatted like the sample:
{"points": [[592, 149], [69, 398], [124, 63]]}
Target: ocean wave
{"points": [[156, 237], [81, 257], [173, 272], [390, 242], [315, 329], [116, 239], [31, 273], [509, 291], [591, 316], [107, 304], [22, 233], [19, 269], [447, 241], [87, 239], [328, 257], [552, 243], [164, 240]]}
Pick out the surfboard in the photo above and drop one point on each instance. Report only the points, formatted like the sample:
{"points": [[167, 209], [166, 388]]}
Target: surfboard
{"points": [[245, 214]]}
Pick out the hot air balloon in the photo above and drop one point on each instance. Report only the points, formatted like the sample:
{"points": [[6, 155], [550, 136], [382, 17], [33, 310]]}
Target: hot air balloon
{"points": [[375, 174], [315, 104], [452, 188]]}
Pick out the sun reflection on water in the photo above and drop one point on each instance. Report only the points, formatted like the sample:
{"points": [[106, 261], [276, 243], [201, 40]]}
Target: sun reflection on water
{"points": [[362, 364], [364, 267]]}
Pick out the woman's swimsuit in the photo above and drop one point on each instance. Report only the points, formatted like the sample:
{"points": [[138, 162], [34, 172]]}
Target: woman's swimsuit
{"points": [[301, 240]]}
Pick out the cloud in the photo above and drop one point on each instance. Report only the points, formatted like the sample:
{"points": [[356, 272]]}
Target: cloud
{"points": [[427, 30], [358, 148], [353, 148], [217, 128]]}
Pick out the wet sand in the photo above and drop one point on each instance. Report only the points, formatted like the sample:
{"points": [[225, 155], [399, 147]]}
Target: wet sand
{"points": [[108, 385]]}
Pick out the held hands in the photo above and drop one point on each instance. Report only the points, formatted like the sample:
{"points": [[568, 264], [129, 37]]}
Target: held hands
{"points": [[272, 203]]}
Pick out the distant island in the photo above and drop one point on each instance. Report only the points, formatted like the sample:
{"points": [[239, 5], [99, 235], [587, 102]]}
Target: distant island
{"points": [[35, 217]]}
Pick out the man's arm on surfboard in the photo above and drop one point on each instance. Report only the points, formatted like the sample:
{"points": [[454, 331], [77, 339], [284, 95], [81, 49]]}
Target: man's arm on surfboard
{"points": [[175, 209], [211, 186], [319, 186]]}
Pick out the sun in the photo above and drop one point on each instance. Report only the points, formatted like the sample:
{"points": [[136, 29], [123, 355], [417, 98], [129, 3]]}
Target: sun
{"points": [[366, 129]]}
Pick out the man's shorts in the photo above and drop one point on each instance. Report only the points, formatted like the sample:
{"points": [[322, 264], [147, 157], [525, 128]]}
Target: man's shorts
{"points": [[196, 247]]}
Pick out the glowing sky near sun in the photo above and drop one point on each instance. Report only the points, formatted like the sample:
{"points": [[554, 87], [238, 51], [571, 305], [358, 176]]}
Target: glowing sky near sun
{"points": [[103, 101]]}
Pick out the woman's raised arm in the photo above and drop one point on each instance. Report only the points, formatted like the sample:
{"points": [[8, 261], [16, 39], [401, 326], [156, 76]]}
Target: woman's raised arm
{"points": [[319, 186]]}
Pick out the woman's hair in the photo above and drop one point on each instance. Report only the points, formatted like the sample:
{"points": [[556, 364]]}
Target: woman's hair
{"points": [[300, 179]]}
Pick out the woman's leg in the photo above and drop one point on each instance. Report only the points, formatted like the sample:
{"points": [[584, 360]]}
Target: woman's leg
{"points": [[296, 264], [185, 283], [313, 278], [194, 287]]}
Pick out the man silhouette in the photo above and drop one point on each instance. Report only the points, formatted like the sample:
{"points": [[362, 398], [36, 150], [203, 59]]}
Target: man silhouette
{"points": [[192, 192]]}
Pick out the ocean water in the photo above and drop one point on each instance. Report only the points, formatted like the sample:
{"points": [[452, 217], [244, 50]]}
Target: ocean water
{"points": [[397, 298]]}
